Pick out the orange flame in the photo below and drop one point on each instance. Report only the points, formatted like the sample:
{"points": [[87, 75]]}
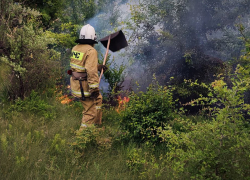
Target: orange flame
{"points": [[122, 102], [65, 99]]}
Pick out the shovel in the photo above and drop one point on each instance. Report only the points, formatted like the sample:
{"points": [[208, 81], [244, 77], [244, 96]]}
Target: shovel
{"points": [[114, 42]]}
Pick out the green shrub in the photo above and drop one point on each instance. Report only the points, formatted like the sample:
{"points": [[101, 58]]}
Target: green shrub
{"points": [[57, 145], [212, 150], [85, 138], [135, 160], [217, 149], [29, 63], [33, 105], [188, 91], [114, 76], [90, 138], [146, 112]]}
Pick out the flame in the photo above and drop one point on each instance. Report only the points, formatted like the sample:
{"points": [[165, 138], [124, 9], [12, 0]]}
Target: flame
{"points": [[65, 99], [122, 103]]}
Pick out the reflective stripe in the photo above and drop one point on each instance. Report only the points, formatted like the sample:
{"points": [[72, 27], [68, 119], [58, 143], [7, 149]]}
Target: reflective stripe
{"points": [[87, 94], [94, 85], [98, 107], [83, 125], [78, 93], [77, 67], [77, 55]]}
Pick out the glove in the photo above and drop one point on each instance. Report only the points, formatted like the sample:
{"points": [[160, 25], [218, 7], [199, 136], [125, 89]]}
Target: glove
{"points": [[69, 72], [95, 93], [100, 67]]}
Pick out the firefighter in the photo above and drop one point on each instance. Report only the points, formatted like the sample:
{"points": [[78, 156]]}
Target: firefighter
{"points": [[84, 80]]}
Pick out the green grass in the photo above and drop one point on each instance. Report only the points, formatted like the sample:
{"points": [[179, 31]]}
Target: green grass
{"points": [[33, 147], [38, 140]]}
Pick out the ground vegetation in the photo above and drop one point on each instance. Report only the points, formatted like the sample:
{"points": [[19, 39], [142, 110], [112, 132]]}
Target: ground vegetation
{"points": [[148, 134]]}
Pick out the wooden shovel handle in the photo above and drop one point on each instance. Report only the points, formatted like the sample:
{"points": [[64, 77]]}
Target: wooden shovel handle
{"points": [[104, 61]]}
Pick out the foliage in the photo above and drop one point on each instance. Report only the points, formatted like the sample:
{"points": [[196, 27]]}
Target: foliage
{"points": [[66, 36], [33, 148], [188, 91], [148, 166], [37, 133], [114, 76], [27, 143], [50, 10], [90, 138], [199, 69], [78, 11], [178, 26], [146, 112], [227, 102], [165, 31], [4, 81], [32, 105], [25, 52], [216, 149], [57, 145]]}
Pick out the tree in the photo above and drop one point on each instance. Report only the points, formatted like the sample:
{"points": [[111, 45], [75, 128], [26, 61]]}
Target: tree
{"points": [[24, 53], [50, 10], [166, 30], [78, 12]]}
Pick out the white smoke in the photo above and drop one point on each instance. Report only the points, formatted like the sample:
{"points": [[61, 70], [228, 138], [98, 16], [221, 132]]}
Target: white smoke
{"points": [[111, 20], [113, 16]]}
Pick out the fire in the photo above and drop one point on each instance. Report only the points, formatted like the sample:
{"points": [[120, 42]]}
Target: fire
{"points": [[65, 99], [122, 102]]}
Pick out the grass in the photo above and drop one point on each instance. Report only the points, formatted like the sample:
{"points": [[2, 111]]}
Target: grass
{"points": [[35, 147], [38, 140]]}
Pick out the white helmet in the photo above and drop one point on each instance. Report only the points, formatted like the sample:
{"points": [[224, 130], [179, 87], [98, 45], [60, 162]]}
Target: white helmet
{"points": [[87, 35], [87, 32]]}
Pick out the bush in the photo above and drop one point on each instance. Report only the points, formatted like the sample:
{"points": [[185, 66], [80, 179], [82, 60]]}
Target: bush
{"points": [[90, 138], [212, 150], [146, 112], [217, 149], [114, 76], [33, 105], [144, 163], [29, 63], [188, 91]]}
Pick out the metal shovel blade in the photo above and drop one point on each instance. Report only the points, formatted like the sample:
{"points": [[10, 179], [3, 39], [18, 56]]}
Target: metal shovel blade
{"points": [[117, 41]]}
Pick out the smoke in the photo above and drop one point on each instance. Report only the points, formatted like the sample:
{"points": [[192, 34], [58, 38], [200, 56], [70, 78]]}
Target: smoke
{"points": [[203, 26], [110, 19], [159, 42]]}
